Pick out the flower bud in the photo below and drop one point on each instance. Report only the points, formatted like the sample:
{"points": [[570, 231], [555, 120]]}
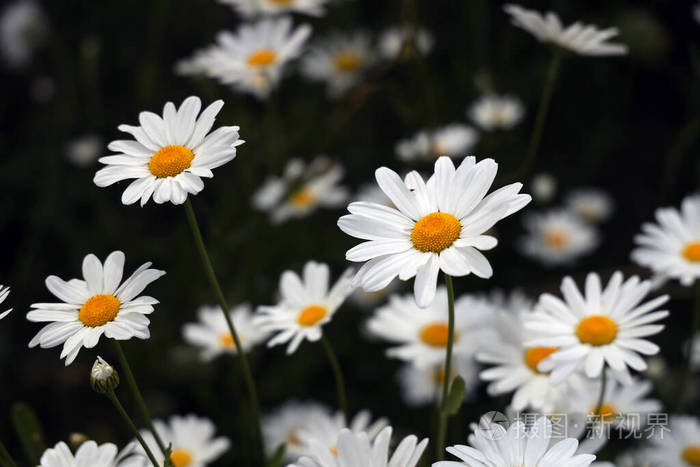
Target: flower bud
{"points": [[103, 377]]}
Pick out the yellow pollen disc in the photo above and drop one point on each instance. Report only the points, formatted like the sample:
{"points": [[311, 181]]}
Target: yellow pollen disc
{"points": [[311, 315], [607, 412], [691, 454], [556, 239], [302, 198], [181, 457], [347, 61], [691, 252], [334, 450], [293, 438], [99, 310], [534, 355], [436, 334], [170, 161], [262, 57], [435, 232], [596, 330], [226, 340]]}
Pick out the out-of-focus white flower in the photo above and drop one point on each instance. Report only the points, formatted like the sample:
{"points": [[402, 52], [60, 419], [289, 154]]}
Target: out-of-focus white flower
{"points": [[422, 386], [678, 444], [340, 61], [23, 27], [580, 38], [4, 292], [253, 8], [493, 112], [84, 150], [325, 429], [287, 422], [454, 140], [590, 204], [396, 41], [301, 190], [252, 59], [671, 247], [543, 187], [557, 237], [90, 454]]}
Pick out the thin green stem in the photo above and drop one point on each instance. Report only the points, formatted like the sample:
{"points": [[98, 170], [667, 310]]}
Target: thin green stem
{"points": [[214, 282], [686, 383], [601, 396], [136, 394], [442, 424], [6, 459], [339, 380], [125, 416]]}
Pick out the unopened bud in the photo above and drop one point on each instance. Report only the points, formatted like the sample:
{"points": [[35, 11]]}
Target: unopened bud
{"points": [[103, 377], [76, 439]]}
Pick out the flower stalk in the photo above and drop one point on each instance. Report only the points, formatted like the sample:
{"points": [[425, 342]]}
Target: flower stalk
{"points": [[442, 423], [125, 416], [339, 380]]}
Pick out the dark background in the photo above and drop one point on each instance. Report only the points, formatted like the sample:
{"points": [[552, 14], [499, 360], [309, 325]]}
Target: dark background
{"points": [[628, 125]]}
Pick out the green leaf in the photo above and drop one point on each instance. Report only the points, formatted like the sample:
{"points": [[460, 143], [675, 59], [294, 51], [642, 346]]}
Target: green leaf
{"points": [[278, 457], [29, 432], [454, 398]]}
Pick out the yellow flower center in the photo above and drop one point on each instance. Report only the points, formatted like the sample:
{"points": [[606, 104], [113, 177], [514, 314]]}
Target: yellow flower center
{"points": [[596, 330], [226, 341], [347, 61], [99, 310], [302, 198], [691, 252], [334, 450], [435, 232], [181, 457], [262, 57], [607, 412], [534, 355], [556, 239], [170, 161], [691, 454], [311, 315], [293, 437], [436, 334]]}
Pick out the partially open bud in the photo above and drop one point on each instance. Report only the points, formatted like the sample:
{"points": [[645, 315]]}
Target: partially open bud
{"points": [[103, 377]]}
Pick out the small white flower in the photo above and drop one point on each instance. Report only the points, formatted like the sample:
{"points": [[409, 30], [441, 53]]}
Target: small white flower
{"points": [[23, 28], [393, 41], [543, 187], [306, 305], [678, 444], [89, 454], [671, 247], [4, 292], [339, 61], [301, 190], [422, 386], [453, 140], [590, 204], [101, 370], [171, 154], [286, 423], [436, 225], [251, 60], [358, 450], [557, 237], [580, 38], [192, 440], [95, 305], [605, 327], [253, 8], [493, 112], [493, 445], [420, 334], [211, 333], [85, 150]]}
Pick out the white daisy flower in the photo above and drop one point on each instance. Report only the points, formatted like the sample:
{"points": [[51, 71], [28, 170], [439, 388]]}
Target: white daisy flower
{"points": [[325, 430], [359, 450], [493, 445], [438, 225], [422, 386], [590, 204], [678, 444], [606, 326], [251, 60], [89, 454], [285, 424], [421, 334], [339, 61], [671, 247], [557, 237], [454, 140], [4, 292], [543, 187], [84, 150], [301, 190], [394, 42], [98, 304], [211, 333], [192, 440], [580, 38], [306, 304], [23, 27], [494, 112], [253, 8], [170, 154]]}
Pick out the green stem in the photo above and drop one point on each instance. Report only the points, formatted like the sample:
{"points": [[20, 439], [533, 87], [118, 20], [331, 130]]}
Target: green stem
{"points": [[339, 380], [136, 394], [214, 282], [601, 397], [6, 459], [688, 372], [125, 416], [442, 424]]}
